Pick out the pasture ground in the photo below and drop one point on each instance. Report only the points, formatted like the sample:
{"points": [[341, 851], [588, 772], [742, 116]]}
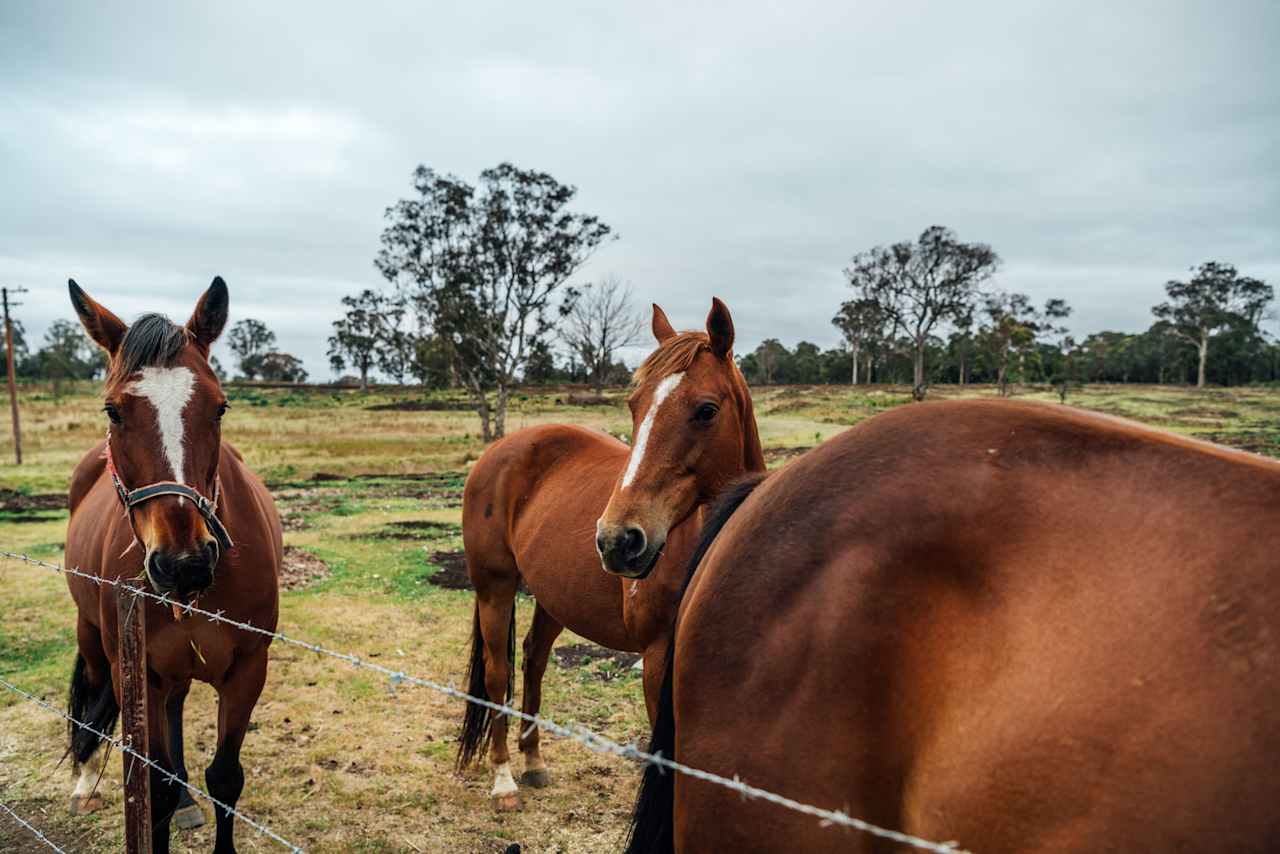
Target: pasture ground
{"points": [[370, 487]]}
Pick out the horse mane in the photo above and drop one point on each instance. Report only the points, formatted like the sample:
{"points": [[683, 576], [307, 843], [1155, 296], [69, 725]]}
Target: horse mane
{"points": [[674, 355], [152, 341], [651, 830]]}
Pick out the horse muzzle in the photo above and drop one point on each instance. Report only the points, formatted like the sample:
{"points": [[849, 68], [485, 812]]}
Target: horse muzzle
{"points": [[627, 551], [185, 574]]}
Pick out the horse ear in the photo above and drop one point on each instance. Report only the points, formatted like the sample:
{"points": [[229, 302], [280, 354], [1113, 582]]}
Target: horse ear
{"points": [[102, 326], [720, 328], [662, 328], [210, 315]]}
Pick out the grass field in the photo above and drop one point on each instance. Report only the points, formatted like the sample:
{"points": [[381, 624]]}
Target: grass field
{"points": [[370, 488]]}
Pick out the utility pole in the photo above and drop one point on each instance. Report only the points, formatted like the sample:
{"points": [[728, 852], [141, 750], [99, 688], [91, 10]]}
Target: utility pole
{"points": [[13, 390]]}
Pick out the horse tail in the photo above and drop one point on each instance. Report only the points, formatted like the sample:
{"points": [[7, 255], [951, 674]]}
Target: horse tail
{"points": [[476, 721], [651, 822], [91, 705]]}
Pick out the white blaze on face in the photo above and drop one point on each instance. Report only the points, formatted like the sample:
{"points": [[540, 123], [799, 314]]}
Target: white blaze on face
{"points": [[660, 394], [168, 390]]}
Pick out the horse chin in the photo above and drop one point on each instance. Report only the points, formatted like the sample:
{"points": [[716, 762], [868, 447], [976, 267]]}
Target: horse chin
{"points": [[647, 569]]}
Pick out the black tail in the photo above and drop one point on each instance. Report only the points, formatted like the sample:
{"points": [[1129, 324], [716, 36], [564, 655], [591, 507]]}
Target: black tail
{"points": [[476, 729], [651, 830], [95, 706]]}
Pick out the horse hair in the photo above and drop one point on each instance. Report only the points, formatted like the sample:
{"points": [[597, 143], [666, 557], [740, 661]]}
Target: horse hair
{"points": [[153, 340], [651, 831], [94, 705]]}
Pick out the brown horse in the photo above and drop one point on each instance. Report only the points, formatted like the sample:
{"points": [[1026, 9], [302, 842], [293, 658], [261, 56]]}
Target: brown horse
{"points": [[1019, 627], [164, 496], [531, 510]]}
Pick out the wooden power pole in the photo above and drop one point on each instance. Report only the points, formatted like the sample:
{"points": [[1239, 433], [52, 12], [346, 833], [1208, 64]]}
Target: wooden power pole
{"points": [[13, 389]]}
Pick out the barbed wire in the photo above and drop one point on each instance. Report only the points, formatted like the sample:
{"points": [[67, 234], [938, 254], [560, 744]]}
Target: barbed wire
{"points": [[31, 827], [592, 740], [145, 760]]}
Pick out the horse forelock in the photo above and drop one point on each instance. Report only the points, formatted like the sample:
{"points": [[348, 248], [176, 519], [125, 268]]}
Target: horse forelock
{"points": [[152, 341], [673, 356]]}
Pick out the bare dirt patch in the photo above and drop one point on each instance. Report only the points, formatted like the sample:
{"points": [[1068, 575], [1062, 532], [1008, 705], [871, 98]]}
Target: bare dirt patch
{"points": [[452, 573], [422, 406], [413, 530], [585, 655], [301, 569], [12, 501], [783, 455], [1204, 412], [1265, 442]]}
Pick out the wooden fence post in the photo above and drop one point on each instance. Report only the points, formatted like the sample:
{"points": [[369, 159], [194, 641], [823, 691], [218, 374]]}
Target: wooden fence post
{"points": [[131, 612]]}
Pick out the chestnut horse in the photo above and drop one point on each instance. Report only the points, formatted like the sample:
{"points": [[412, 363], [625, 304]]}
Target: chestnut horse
{"points": [[531, 511], [1020, 627], [164, 496]]}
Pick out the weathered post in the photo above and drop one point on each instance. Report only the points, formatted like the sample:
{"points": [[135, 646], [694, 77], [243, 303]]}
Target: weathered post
{"points": [[9, 369], [131, 612]]}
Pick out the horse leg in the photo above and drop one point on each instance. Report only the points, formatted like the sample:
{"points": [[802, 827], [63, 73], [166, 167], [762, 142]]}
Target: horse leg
{"points": [[189, 815], [164, 792], [537, 650], [91, 700], [237, 695], [655, 665], [496, 609]]}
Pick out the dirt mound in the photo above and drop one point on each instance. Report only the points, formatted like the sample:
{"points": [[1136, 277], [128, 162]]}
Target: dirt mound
{"points": [[12, 501], [774, 455], [414, 529], [301, 569], [422, 406], [452, 573], [1204, 412], [587, 654]]}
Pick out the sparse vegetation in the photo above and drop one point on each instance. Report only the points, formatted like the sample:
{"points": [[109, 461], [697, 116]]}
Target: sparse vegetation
{"points": [[372, 496]]}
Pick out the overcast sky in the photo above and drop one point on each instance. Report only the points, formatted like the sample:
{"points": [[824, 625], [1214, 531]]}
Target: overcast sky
{"points": [[738, 150]]}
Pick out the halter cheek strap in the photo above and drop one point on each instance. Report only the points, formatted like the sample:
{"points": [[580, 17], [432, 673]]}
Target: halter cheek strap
{"points": [[208, 508]]}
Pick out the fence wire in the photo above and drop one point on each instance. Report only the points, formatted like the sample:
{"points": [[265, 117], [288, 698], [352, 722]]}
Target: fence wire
{"points": [[592, 740], [31, 827], [168, 775]]}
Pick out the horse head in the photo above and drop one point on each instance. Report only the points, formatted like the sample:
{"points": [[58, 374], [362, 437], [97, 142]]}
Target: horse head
{"points": [[164, 407], [694, 431]]}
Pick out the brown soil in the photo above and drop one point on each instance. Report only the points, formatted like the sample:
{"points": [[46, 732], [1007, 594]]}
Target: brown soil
{"points": [[585, 654], [422, 406], [1204, 412], [452, 573], [301, 569], [773, 455], [1262, 442], [15, 502], [413, 530]]}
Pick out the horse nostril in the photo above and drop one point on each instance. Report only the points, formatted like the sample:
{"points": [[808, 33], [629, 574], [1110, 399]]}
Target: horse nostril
{"points": [[634, 543], [211, 552], [601, 544]]}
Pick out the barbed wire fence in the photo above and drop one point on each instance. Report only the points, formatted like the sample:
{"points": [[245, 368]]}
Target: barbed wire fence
{"points": [[588, 738]]}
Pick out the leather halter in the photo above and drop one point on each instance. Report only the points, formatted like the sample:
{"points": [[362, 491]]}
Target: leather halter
{"points": [[208, 508]]}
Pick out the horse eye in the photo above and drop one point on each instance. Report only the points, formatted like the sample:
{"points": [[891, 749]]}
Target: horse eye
{"points": [[222, 410], [706, 412], [113, 414]]}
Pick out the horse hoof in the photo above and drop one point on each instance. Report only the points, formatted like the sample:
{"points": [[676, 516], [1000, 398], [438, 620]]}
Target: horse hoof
{"points": [[537, 778], [85, 804], [189, 817], [507, 803]]}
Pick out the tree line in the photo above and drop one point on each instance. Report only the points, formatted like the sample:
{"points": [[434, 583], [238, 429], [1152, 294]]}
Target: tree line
{"points": [[477, 297]]}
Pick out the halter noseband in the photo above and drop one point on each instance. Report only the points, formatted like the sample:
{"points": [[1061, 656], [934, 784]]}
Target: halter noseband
{"points": [[207, 508]]}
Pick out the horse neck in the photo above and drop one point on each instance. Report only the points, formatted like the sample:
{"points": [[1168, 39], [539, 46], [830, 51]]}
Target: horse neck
{"points": [[752, 451]]}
